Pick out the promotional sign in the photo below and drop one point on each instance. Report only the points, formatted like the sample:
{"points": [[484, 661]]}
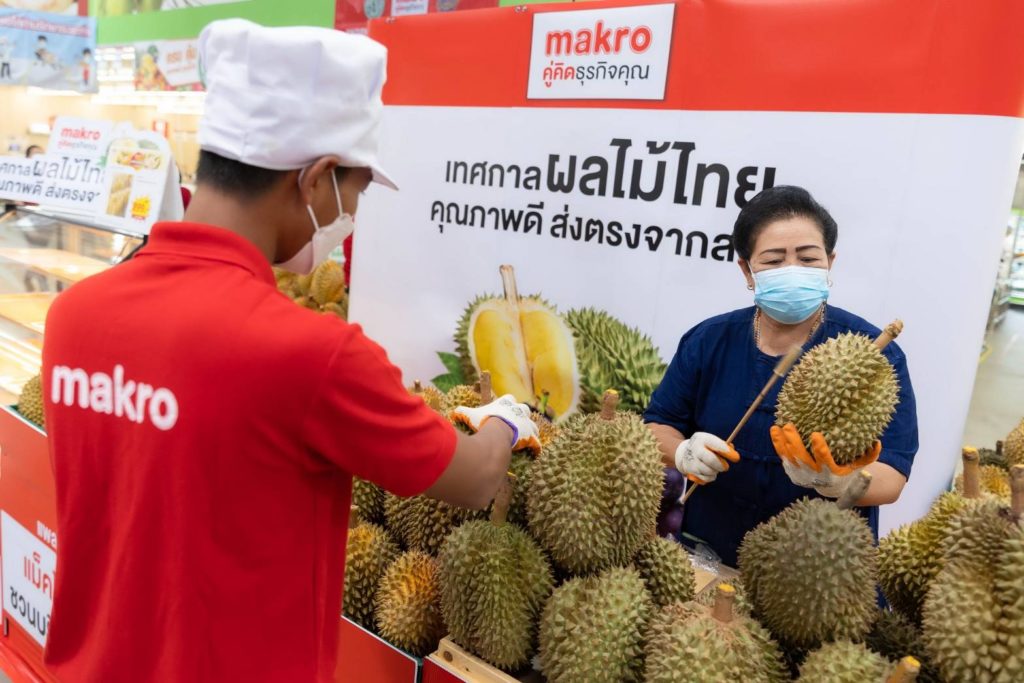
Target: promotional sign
{"points": [[627, 205], [167, 65], [28, 569], [117, 8], [47, 50]]}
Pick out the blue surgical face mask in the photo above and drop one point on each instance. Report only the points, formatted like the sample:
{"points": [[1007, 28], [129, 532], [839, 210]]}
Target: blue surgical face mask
{"points": [[792, 294]]}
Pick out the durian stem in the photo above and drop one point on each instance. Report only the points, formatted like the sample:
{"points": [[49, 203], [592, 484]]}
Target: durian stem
{"points": [[1017, 487], [891, 331], [999, 447], [486, 394], [508, 282], [906, 671], [353, 517], [972, 476], [417, 387], [502, 500], [609, 405], [725, 599], [855, 491]]}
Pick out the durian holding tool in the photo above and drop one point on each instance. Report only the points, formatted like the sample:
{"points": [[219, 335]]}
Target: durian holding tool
{"points": [[780, 370]]}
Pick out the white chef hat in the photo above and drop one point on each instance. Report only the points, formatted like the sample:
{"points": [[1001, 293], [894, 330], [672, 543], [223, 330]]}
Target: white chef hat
{"points": [[280, 98]]}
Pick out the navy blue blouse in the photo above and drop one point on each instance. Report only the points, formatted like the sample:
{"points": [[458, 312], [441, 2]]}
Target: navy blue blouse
{"points": [[712, 380]]}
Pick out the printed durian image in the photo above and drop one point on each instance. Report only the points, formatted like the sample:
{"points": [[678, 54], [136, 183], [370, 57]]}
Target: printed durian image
{"points": [[531, 351], [845, 389], [324, 290]]}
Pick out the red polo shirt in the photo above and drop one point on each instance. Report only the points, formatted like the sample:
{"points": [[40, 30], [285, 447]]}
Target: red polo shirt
{"points": [[204, 430]]}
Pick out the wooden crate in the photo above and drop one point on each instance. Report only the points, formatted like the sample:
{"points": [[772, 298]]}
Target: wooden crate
{"points": [[452, 664]]}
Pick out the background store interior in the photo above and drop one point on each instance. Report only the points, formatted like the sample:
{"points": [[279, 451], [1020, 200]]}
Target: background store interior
{"points": [[995, 403]]}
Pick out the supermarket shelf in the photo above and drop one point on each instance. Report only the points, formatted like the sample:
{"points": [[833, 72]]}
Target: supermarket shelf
{"points": [[27, 310], [56, 263]]}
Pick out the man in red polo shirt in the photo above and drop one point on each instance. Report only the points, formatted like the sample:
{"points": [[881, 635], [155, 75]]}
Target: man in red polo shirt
{"points": [[204, 429]]}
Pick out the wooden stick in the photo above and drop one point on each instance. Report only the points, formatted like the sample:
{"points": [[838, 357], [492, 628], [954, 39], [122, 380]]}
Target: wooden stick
{"points": [[725, 598], [999, 447], [1017, 488], [972, 476], [486, 393], [502, 500], [781, 368], [855, 491], [906, 671], [891, 331], [417, 387], [609, 405]]}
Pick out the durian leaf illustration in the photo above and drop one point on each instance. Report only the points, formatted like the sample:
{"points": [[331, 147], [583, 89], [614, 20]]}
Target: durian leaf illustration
{"points": [[446, 382], [452, 364]]}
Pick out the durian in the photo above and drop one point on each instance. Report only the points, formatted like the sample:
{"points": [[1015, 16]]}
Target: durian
{"points": [[422, 523], [595, 492], [368, 554], [666, 570], [845, 389], [1013, 446], [994, 481], [30, 403], [524, 343], [691, 643], [810, 571], [494, 582], [894, 636], [407, 605], [611, 354], [996, 456], [521, 467], [435, 399], [328, 284], [592, 628], [323, 290], [845, 662], [910, 557], [369, 498], [974, 612], [462, 395]]}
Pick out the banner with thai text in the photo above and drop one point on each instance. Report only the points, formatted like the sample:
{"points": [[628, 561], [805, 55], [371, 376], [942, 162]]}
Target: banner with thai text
{"points": [[53, 51]]}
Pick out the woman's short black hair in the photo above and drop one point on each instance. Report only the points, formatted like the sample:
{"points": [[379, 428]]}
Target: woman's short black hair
{"points": [[775, 203], [234, 177]]}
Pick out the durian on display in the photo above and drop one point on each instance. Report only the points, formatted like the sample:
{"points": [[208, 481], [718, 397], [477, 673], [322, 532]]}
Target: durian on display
{"points": [[844, 388], [324, 290], [1013, 446], [407, 605], [30, 402], [667, 571], [692, 643], [422, 523], [595, 492], [368, 498], [845, 662], [368, 554]]}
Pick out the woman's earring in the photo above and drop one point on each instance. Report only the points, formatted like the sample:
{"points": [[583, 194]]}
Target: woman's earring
{"points": [[830, 283], [751, 287]]}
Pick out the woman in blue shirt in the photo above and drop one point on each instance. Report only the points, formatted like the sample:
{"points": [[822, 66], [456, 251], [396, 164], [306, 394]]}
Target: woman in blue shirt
{"points": [[786, 244]]}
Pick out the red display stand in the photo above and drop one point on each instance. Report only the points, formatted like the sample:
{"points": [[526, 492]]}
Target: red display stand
{"points": [[28, 546], [363, 657]]}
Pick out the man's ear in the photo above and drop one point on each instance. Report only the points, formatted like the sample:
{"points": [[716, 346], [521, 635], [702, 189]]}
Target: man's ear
{"points": [[311, 176]]}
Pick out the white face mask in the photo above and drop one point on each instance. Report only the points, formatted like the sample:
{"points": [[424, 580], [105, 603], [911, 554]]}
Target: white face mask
{"points": [[325, 239]]}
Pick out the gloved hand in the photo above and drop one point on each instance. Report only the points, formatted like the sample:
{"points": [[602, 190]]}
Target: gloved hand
{"points": [[817, 469], [703, 456], [516, 415]]}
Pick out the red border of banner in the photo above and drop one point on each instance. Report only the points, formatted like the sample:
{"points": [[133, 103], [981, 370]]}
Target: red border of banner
{"points": [[929, 56]]}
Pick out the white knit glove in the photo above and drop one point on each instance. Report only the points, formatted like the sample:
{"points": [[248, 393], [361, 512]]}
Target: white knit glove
{"points": [[824, 482], [703, 456], [525, 434]]}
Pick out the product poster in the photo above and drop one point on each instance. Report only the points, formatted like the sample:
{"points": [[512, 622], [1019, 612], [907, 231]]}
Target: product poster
{"points": [[167, 65], [137, 169], [28, 571], [47, 50], [117, 8], [605, 149]]}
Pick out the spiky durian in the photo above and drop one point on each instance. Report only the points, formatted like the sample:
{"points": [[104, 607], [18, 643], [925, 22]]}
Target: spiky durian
{"points": [[894, 637], [612, 354], [431, 396], [494, 581], [369, 499], [595, 492], [328, 283], [845, 662], [339, 309], [974, 612], [30, 403], [692, 643], [368, 554], [592, 629], [1013, 446], [666, 569], [994, 481], [845, 389], [810, 571], [463, 395], [407, 605], [422, 523], [521, 467]]}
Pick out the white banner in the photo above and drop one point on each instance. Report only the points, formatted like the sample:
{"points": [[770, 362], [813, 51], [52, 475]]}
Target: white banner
{"points": [[28, 571], [919, 234]]}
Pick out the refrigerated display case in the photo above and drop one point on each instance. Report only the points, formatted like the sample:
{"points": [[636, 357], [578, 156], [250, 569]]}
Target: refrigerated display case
{"points": [[41, 254]]}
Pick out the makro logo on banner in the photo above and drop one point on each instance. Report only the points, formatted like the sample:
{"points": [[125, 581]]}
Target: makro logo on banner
{"points": [[607, 54]]}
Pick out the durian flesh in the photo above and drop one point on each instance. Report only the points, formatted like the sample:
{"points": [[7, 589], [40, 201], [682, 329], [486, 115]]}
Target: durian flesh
{"points": [[844, 388]]}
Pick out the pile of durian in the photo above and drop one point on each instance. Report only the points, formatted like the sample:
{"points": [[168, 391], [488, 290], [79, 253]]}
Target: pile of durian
{"points": [[566, 574], [324, 290]]}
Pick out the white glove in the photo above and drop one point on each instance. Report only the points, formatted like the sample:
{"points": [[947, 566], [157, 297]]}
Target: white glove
{"points": [[825, 482], [525, 434], [703, 456]]}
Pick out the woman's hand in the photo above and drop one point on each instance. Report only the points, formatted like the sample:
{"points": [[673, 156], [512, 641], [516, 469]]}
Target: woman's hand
{"points": [[817, 468], [703, 456]]}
